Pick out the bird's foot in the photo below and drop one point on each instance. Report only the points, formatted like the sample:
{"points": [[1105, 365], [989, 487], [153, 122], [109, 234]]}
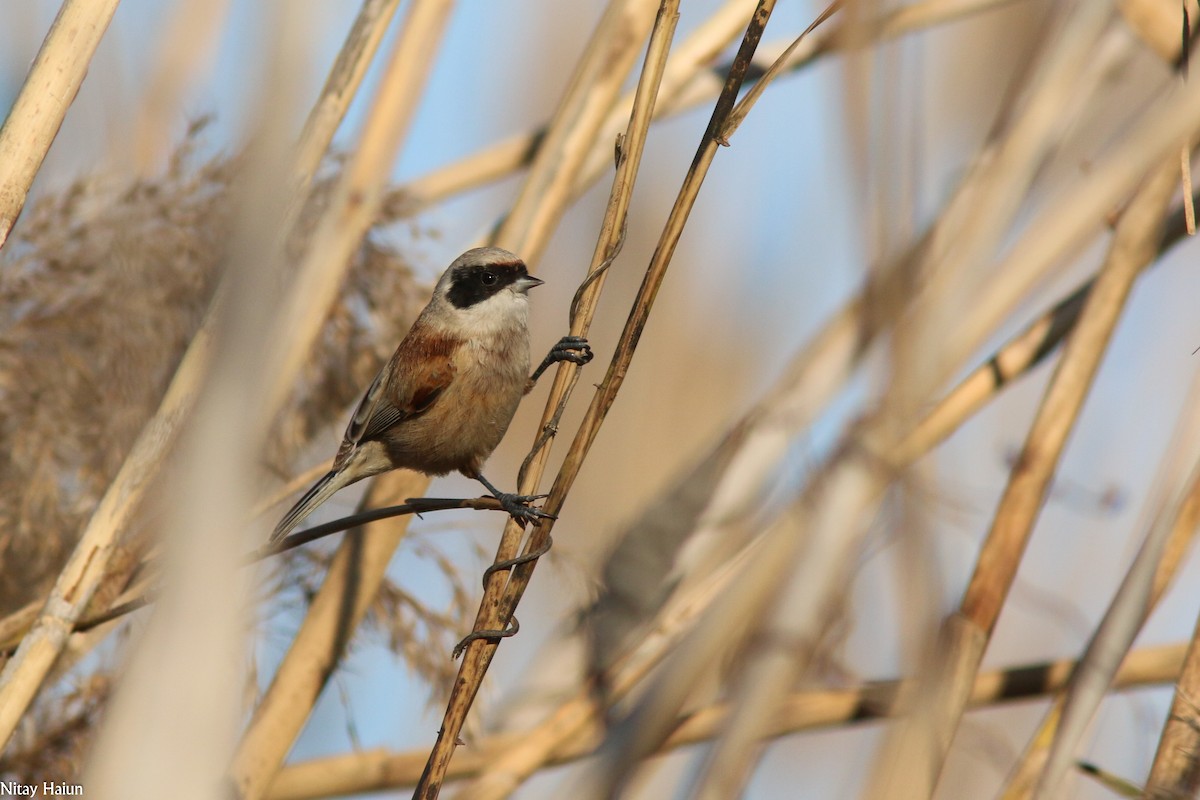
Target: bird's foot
{"points": [[519, 506], [569, 348], [572, 348]]}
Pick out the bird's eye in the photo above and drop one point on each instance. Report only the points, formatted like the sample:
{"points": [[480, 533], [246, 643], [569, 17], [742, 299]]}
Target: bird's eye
{"points": [[488, 278]]}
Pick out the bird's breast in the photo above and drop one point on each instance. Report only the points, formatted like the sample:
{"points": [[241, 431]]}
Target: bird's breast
{"points": [[466, 422]]}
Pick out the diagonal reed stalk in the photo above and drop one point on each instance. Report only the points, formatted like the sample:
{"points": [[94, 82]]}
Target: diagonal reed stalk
{"points": [[917, 750], [47, 93], [1169, 538]]}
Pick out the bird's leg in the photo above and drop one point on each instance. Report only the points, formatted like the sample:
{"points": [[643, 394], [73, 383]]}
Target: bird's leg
{"points": [[569, 348], [517, 505]]}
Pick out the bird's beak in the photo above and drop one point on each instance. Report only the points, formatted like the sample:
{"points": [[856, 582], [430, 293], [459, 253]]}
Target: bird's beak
{"points": [[525, 283]]}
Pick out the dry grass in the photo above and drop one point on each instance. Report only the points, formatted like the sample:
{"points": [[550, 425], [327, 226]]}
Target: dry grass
{"points": [[102, 289]]}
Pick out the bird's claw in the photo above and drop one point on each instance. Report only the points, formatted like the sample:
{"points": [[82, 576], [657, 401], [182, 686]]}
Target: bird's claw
{"points": [[569, 348], [572, 348], [519, 508]]}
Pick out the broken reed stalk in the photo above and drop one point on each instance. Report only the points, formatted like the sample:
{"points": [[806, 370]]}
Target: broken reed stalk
{"points": [[797, 712], [47, 93], [919, 750]]}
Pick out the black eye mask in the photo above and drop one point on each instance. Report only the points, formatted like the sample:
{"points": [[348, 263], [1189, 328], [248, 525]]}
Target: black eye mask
{"points": [[474, 284]]}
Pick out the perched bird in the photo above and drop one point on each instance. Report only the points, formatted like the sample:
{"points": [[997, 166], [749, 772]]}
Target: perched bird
{"points": [[446, 397]]}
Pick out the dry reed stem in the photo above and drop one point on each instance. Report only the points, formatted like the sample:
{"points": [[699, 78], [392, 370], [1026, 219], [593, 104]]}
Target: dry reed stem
{"points": [[609, 770], [1185, 515], [187, 46], [1014, 359], [48, 91], [645, 727], [357, 196], [498, 160], [1074, 214], [1017, 356], [1173, 520], [1176, 768], [176, 712], [572, 131], [345, 77], [1157, 23], [738, 115], [688, 82], [1175, 762], [917, 751], [381, 770], [351, 583], [24, 674], [1065, 73], [579, 713], [613, 44], [353, 578], [16, 625]]}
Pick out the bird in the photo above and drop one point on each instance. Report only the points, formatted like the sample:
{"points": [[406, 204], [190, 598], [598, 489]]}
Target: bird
{"points": [[447, 395]]}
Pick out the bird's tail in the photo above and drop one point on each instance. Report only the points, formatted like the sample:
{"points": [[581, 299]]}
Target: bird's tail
{"points": [[321, 491]]}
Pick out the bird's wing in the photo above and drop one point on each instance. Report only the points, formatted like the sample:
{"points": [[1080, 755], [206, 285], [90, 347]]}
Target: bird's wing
{"points": [[366, 409], [405, 388]]}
